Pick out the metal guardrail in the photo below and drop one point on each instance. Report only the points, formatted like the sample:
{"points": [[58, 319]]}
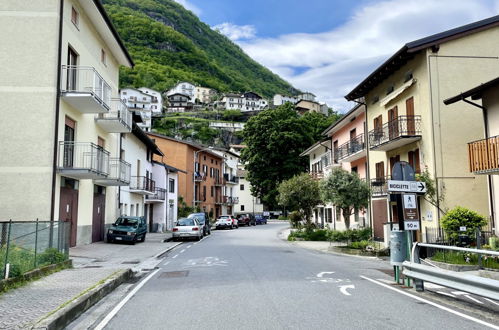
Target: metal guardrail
{"points": [[481, 286]]}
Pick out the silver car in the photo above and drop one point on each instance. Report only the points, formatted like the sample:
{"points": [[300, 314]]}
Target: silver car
{"points": [[187, 228]]}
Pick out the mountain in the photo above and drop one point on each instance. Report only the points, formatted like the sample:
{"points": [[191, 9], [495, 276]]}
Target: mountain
{"points": [[170, 44]]}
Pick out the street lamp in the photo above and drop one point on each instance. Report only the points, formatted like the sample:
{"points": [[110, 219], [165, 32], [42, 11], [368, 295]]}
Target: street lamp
{"points": [[194, 174]]}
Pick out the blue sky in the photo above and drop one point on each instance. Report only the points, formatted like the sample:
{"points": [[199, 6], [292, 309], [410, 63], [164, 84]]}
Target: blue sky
{"points": [[328, 46]]}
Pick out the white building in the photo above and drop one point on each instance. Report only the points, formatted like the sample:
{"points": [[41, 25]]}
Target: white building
{"points": [[230, 189], [247, 202], [185, 88], [204, 94], [281, 99], [307, 96], [139, 102], [156, 101], [248, 101]]}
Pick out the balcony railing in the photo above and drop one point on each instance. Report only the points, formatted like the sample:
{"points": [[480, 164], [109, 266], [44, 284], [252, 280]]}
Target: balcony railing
{"points": [[82, 160], [219, 181], [379, 186], [142, 185], [158, 196], [200, 198], [398, 132], [219, 200], [316, 175], [85, 89], [229, 200], [483, 155], [117, 120], [231, 179], [119, 173], [353, 147], [199, 176]]}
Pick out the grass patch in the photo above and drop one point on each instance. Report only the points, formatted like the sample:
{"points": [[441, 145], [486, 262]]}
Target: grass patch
{"points": [[23, 260], [463, 258], [350, 235]]}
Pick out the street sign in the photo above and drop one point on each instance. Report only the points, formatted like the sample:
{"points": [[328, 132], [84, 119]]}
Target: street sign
{"points": [[406, 186], [410, 211], [411, 225]]}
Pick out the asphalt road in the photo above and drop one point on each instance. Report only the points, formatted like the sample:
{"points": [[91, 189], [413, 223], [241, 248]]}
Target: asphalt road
{"points": [[248, 278]]}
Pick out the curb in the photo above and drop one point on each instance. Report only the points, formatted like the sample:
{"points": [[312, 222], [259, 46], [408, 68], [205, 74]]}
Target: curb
{"points": [[77, 306], [162, 253]]}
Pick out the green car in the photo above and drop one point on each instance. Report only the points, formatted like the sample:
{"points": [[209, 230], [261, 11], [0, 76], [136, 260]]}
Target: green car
{"points": [[128, 229]]}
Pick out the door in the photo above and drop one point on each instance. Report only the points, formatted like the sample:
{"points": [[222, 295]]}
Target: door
{"points": [[393, 123], [354, 145], [100, 156], [151, 222], [378, 130], [68, 207], [69, 146], [411, 123], [98, 213], [71, 83], [380, 217]]}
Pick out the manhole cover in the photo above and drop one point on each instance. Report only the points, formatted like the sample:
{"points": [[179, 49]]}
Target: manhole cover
{"points": [[133, 262], [182, 273], [93, 266]]}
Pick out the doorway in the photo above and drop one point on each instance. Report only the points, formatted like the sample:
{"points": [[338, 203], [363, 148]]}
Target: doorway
{"points": [[68, 206], [98, 214]]}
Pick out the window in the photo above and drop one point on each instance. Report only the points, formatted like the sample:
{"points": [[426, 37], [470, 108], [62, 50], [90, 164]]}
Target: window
{"points": [[212, 189], [242, 207], [204, 193], [375, 99], [414, 160], [75, 17], [389, 89], [354, 169], [103, 56], [241, 187], [172, 185], [380, 170], [408, 76]]}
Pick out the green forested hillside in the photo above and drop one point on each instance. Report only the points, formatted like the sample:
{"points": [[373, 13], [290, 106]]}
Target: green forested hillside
{"points": [[170, 44]]}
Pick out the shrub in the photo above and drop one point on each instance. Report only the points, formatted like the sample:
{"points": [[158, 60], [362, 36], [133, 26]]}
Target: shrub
{"points": [[361, 245], [51, 256], [318, 235], [282, 217], [295, 217], [459, 217]]}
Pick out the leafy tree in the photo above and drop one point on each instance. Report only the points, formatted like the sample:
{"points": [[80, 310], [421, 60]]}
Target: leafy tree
{"points": [[459, 217], [318, 122], [232, 115], [274, 140], [345, 190], [300, 193], [183, 210]]}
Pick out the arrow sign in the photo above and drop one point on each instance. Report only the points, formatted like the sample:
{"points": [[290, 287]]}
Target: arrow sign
{"points": [[321, 274], [343, 289], [406, 186]]}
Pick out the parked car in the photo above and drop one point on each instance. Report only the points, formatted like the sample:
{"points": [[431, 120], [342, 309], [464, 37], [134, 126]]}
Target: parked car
{"points": [[260, 219], [187, 228], [204, 221], [226, 221], [128, 229], [246, 219]]}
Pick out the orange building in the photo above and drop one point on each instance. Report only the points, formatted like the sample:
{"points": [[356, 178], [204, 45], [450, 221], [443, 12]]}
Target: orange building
{"points": [[201, 184]]}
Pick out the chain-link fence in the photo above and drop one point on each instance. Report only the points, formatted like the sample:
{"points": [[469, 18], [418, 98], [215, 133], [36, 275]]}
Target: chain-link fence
{"points": [[26, 245]]}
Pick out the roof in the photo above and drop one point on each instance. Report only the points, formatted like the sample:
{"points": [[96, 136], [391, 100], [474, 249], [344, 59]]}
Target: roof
{"points": [[169, 167], [178, 93], [314, 146], [194, 145], [475, 92], [142, 136], [115, 34], [137, 90], [226, 151], [409, 51], [343, 120]]}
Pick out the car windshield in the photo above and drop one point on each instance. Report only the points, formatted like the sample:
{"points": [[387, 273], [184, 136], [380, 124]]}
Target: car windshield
{"points": [[127, 222], [198, 216], [185, 222], [223, 217]]}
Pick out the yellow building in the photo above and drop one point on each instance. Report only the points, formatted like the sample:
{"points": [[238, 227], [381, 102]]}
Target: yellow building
{"points": [[407, 120], [62, 117]]}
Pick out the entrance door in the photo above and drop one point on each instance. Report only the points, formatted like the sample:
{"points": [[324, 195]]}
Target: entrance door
{"points": [[151, 222], [98, 214], [68, 207], [71, 84], [409, 109]]}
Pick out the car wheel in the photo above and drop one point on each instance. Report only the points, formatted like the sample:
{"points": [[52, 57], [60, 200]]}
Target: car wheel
{"points": [[143, 238]]}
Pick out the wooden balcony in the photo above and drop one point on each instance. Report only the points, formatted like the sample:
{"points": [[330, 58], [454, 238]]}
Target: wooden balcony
{"points": [[483, 156]]}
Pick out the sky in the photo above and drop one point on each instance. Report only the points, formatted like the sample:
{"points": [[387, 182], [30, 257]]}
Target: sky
{"points": [[327, 47]]}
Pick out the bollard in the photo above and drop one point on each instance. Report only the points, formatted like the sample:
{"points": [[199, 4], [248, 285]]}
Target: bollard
{"points": [[6, 263], [36, 240]]}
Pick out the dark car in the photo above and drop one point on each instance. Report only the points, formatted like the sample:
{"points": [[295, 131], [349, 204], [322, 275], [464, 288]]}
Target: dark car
{"points": [[128, 229], [260, 219], [246, 219], [203, 221]]}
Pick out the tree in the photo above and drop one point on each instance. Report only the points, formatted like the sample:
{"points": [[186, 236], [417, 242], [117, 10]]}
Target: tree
{"points": [[459, 217], [345, 190], [300, 193], [274, 140], [232, 115], [318, 123]]}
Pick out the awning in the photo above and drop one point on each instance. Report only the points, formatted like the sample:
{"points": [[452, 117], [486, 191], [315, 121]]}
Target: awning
{"points": [[397, 92]]}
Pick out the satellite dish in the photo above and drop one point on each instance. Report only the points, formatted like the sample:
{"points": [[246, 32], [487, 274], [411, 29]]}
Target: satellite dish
{"points": [[403, 171]]}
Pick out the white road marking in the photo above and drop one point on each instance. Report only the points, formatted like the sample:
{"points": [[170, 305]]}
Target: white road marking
{"points": [[474, 299], [445, 293], [166, 263], [492, 301], [188, 246], [428, 285], [122, 303], [343, 289], [433, 304], [175, 256], [459, 293], [321, 274], [386, 281], [182, 251]]}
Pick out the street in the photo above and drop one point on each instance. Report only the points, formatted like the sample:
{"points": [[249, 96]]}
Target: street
{"points": [[248, 278]]}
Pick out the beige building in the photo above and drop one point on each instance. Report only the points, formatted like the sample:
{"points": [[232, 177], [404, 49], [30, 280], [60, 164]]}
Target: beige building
{"points": [[205, 95], [407, 120], [61, 156], [304, 106]]}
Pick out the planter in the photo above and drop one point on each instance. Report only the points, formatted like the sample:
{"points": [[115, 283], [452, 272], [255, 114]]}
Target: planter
{"points": [[453, 267], [358, 252]]}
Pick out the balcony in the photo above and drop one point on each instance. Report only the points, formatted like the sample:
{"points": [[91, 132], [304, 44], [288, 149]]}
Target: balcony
{"points": [[229, 200], [85, 89], [82, 160], [316, 175], [483, 156], [200, 198], [119, 173], [159, 196], [199, 176], [142, 185], [379, 186], [230, 179], [396, 133], [352, 150], [219, 200], [117, 120], [219, 182]]}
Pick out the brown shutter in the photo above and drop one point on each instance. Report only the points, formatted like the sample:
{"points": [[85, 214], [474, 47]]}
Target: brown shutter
{"points": [[417, 168], [409, 111]]}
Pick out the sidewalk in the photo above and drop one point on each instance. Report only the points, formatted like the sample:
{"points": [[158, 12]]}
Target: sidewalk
{"points": [[98, 269]]}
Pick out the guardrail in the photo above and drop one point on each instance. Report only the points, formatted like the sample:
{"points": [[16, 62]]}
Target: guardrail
{"points": [[481, 286]]}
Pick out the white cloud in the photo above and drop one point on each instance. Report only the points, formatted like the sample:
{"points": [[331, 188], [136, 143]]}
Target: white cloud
{"points": [[236, 32], [337, 60], [189, 6]]}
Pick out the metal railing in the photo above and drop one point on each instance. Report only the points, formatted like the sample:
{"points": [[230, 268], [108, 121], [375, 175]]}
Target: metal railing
{"points": [[229, 200], [83, 156], [316, 175], [119, 111], [351, 147], [159, 194], [219, 181], [84, 79], [199, 176], [483, 155], [481, 286], [379, 186], [26, 245], [119, 170], [402, 126], [142, 183], [231, 178]]}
